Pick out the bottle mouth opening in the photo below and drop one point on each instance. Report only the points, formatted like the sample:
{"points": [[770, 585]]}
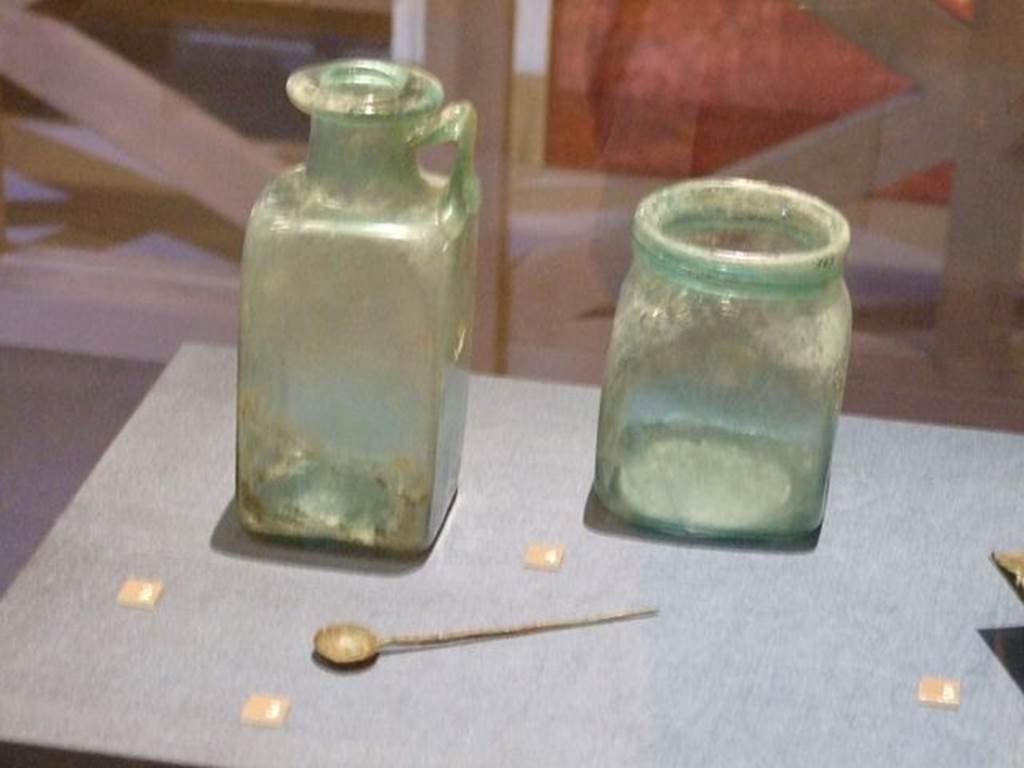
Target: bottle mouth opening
{"points": [[364, 88], [743, 230]]}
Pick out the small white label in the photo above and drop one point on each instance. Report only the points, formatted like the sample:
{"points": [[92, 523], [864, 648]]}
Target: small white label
{"points": [[941, 692], [544, 557], [266, 711], [140, 593]]}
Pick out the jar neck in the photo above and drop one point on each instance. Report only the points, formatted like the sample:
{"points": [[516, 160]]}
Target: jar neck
{"points": [[697, 277], [747, 235], [355, 157]]}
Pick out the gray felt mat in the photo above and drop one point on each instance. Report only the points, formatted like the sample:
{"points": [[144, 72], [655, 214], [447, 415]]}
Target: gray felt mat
{"points": [[800, 658]]}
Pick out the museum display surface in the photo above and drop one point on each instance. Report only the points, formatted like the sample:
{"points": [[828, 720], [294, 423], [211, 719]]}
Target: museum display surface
{"points": [[791, 657]]}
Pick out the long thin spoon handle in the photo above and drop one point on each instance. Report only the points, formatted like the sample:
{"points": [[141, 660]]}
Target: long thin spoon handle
{"points": [[516, 630]]}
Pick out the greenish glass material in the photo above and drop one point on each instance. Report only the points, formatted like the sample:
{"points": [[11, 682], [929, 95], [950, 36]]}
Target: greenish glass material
{"points": [[727, 363], [356, 316]]}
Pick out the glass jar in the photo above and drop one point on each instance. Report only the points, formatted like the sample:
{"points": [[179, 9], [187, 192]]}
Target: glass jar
{"points": [[356, 312], [727, 363]]}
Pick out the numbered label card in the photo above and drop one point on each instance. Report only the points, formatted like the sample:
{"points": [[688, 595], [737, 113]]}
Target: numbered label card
{"points": [[140, 593], [544, 557], [941, 692], [265, 710]]}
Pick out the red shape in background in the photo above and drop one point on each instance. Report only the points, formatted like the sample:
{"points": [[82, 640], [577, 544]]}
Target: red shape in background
{"points": [[681, 88]]}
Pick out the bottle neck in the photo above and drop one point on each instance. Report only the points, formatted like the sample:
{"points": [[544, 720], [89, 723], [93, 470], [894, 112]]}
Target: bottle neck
{"points": [[352, 158]]}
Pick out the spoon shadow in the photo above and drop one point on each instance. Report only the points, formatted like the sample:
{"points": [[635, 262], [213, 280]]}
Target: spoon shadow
{"points": [[342, 669]]}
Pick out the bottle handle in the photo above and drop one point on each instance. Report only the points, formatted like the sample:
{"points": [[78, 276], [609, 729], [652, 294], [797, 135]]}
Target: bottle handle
{"points": [[455, 123]]}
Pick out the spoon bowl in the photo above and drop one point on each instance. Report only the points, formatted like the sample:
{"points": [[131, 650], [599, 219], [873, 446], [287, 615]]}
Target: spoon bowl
{"points": [[346, 644]]}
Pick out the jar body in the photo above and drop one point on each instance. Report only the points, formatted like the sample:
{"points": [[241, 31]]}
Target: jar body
{"points": [[355, 331], [720, 404]]}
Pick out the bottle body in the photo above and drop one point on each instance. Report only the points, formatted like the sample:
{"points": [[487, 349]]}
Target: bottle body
{"points": [[356, 318], [720, 400]]}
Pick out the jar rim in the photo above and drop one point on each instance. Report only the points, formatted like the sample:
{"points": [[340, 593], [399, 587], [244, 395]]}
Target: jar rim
{"points": [[818, 234], [364, 88]]}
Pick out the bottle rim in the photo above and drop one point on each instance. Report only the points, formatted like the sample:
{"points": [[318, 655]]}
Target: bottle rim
{"points": [[819, 234], [364, 88]]}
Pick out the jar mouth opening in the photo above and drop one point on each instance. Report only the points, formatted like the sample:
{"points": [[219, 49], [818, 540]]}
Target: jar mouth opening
{"points": [[364, 88], [745, 230]]}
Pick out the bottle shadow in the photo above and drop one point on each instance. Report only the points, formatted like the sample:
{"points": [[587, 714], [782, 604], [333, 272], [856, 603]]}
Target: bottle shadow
{"points": [[597, 518], [232, 539]]}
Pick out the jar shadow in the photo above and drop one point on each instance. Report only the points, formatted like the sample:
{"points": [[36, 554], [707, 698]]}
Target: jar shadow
{"points": [[597, 518], [232, 539]]}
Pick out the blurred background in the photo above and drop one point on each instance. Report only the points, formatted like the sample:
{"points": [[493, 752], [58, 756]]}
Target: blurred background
{"points": [[136, 134]]}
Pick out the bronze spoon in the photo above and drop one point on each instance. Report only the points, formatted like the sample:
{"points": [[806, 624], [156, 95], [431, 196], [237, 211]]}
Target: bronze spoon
{"points": [[347, 645]]}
